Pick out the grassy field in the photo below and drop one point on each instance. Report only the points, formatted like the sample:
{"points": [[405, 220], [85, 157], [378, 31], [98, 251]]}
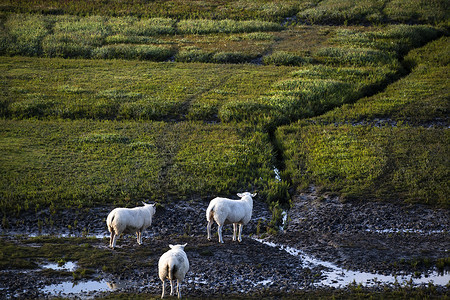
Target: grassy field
{"points": [[110, 102], [86, 163], [419, 98], [405, 162]]}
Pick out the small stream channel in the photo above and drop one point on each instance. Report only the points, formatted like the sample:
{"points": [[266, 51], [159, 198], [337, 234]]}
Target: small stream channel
{"points": [[337, 277]]}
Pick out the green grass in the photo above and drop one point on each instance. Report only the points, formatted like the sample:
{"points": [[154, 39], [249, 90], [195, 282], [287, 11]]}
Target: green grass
{"points": [[179, 9], [89, 258], [317, 12], [61, 164], [343, 12], [400, 164], [419, 98], [74, 89], [364, 162], [101, 99]]}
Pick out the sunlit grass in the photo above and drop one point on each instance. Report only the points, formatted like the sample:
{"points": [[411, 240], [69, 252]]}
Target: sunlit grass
{"points": [[401, 164], [419, 98], [60, 164]]}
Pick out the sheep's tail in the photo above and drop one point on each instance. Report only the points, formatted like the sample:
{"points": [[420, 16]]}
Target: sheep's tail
{"points": [[110, 222], [171, 270], [210, 212]]}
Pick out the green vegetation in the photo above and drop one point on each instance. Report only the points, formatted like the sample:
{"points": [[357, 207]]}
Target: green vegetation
{"points": [[85, 163], [375, 12], [179, 9], [84, 251], [362, 162], [419, 98], [107, 102], [400, 163]]}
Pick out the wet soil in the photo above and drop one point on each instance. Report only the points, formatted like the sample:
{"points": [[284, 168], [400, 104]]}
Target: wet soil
{"points": [[373, 237]]}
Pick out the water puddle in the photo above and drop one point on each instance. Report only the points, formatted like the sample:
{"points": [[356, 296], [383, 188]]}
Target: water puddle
{"points": [[68, 266], [338, 277], [77, 287]]}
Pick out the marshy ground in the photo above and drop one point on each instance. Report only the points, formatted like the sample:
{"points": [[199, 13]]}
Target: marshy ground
{"points": [[324, 246]]}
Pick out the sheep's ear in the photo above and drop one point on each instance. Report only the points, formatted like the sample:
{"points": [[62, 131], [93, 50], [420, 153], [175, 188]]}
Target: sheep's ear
{"points": [[240, 195], [253, 195], [170, 246], [144, 203], [184, 245]]}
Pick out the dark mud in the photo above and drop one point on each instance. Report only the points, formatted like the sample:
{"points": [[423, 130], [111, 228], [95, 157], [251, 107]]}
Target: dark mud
{"points": [[371, 237], [374, 237]]}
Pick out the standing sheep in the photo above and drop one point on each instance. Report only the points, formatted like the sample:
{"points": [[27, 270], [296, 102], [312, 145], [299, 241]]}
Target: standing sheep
{"points": [[129, 220], [226, 211], [172, 265]]}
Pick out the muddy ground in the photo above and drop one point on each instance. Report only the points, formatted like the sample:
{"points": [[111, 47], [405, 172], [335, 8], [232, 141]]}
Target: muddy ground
{"points": [[371, 237]]}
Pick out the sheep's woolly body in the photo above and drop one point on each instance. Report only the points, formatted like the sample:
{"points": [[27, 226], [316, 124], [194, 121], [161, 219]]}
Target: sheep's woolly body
{"points": [[226, 211], [129, 220], [173, 265]]}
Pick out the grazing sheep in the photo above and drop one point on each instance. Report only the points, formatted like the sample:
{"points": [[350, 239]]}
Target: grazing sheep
{"points": [[172, 265], [129, 220], [226, 211]]}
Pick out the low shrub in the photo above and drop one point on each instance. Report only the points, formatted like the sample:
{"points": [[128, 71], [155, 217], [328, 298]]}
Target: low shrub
{"points": [[355, 57], [66, 46], [193, 55], [232, 57], [24, 34], [285, 59], [205, 26], [125, 51]]}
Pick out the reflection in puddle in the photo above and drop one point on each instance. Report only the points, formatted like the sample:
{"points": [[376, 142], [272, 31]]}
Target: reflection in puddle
{"points": [[338, 277], [77, 287], [68, 266]]}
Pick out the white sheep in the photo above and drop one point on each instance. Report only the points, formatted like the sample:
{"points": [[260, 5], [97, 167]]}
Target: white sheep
{"points": [[172, 265], [129, 220], [226, 211]]}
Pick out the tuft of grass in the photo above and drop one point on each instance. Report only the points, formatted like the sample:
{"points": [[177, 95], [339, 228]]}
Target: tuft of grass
{"points": [[126, 51], [285, 59], [205, 26]]}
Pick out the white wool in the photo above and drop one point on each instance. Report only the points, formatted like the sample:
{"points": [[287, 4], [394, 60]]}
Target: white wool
{"points": [[172, 265], [129, 220], [226, 211]]}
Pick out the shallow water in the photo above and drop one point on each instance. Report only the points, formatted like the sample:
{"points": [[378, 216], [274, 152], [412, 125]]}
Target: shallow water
{"points": [[79, 287], [339, 277], [68, 266]]}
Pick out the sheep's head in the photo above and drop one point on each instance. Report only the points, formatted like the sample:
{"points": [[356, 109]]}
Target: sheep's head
{"points": [[246, 194], [152, 207], [177, 246]]}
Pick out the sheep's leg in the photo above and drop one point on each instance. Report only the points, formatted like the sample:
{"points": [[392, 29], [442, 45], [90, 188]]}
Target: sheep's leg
{"points": [[240, 231], [163, 285], [234, 231], [139, 237], [208, 229], [179, 289], [114, 241], [219, 230], [171, 287], [111, 238]]}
